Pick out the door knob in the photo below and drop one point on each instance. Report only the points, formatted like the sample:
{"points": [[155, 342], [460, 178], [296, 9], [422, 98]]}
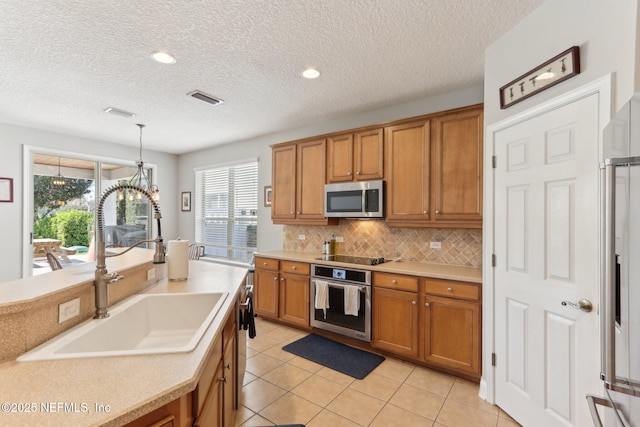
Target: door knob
{"points": [[584, 305]]}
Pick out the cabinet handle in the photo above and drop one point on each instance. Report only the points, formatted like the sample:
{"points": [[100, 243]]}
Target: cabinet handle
{"points": [[228, 366], [298, 212], [413, 303], [425, 212], [394, 281], [449, 290], [358, 173], [293, 268], [426, 304], [264, 263], [223, 380], [275, 280], [282, 280], [349, 173]]}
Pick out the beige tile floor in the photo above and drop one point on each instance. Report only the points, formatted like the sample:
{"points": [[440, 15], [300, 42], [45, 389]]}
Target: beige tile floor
{"points": [[281, 388]]}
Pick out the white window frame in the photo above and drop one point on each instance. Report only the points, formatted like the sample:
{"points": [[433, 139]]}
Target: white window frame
{"points": [[200, 217]]}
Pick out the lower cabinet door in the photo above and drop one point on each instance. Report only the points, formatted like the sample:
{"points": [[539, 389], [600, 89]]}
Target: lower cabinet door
{"points": [[395, 326], [212, 410], [452, 334], [294, 299], [229, 383], [265, 293]]}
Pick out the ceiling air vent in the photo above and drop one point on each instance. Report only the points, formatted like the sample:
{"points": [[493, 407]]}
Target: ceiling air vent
{"points": [[205, 98], [118, 112]]}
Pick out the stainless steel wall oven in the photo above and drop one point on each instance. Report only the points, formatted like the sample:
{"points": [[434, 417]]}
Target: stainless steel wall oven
{"points": [[345, 301]]}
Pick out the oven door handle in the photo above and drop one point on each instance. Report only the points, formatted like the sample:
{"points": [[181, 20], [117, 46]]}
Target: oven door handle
{"points": [[362, 289]]}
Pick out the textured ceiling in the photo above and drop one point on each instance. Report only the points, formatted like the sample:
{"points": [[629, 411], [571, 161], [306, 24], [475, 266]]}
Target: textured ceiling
{"points": [[65, 61]]}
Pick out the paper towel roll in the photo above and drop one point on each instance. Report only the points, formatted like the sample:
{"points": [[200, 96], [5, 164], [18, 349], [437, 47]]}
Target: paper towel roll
{"points": [[178, 259]]}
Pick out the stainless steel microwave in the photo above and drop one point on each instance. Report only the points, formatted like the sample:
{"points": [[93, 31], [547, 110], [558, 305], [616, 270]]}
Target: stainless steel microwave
{"points": [[364, 199]]}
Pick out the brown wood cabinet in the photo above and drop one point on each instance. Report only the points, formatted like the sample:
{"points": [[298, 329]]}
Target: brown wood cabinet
{"points": [[298, 178], [294, 293], [215, 397], [434, 171], [395, 325], [176, 413], [452, 326], [457, 167], [408, 159], [355, 156], [281, 290], [266, 287], [428, 320]]}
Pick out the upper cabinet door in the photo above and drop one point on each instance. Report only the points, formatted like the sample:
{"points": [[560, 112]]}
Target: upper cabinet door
{"points": [[368, 156], [283, 181], [457, 167], [311, 180], [407, 152], [340, 158]]}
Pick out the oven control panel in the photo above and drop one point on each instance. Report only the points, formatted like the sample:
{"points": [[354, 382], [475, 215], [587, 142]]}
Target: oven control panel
{"points": [[341, 274]]}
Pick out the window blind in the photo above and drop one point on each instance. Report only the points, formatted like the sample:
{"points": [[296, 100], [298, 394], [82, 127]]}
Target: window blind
{"points": [[226, 207]]}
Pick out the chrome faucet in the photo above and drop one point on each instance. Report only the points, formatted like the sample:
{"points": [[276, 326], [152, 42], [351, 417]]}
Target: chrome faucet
{"points": [[103, 277]]}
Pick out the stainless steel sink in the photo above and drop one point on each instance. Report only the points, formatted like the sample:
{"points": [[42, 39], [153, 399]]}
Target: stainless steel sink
{"points": [[142, 324]]}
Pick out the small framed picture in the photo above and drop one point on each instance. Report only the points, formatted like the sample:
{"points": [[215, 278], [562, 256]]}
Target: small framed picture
{"points": [[186, 201], [6, 189], [267, 196]]}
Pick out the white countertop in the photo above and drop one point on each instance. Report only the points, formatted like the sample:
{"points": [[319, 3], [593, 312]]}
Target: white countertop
{"points": [[435, 271], [130, 386]]}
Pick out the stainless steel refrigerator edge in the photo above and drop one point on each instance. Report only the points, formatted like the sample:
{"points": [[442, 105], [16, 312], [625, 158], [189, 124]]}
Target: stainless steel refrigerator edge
{"points": [[620, 272]]}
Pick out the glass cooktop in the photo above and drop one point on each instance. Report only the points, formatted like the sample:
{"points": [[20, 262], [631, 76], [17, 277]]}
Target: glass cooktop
{"points": [[353, 259]]}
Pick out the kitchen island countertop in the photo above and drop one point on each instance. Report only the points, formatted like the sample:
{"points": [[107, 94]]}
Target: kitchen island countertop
{"points": [[435, 271], [111, 391]]}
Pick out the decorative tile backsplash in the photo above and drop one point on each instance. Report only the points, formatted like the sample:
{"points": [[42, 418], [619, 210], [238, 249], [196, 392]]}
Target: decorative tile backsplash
{"points": [[373, 238]]}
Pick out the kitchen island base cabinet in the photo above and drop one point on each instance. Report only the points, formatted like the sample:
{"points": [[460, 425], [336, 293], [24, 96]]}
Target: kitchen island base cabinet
{"points": [[215, 397], [176, 413], [214, 401]]}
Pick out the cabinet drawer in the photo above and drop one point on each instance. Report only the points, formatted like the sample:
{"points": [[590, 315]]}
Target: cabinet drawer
{"points": [[295, 267], [447, 288], [396, 281], [267, 264]]}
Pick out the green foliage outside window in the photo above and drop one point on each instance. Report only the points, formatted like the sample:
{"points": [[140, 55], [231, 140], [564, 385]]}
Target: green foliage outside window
{"points": [[48, 199], [72, 227]]}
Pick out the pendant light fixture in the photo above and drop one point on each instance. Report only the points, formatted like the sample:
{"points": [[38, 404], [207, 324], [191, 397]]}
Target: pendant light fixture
{"points": [[141, 178], [58, 181]]}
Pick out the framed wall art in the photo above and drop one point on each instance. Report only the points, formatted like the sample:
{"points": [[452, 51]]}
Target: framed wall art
{"points": [[267, 196], [6, 190], [558, 69], [186, 201]]}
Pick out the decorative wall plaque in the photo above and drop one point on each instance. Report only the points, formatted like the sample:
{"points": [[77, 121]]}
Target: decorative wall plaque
{"points": [[552, 72]]}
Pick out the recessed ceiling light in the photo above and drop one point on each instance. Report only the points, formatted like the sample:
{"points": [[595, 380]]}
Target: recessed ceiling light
{"points": [[310, 73], [163, 57]]}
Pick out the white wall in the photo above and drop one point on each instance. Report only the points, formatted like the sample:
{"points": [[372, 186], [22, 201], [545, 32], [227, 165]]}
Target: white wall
{"points": [[270, 237], [12, 215], [604, 30]]}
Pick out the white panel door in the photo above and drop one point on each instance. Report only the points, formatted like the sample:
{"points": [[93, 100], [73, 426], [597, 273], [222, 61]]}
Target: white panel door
{"points": [[546, 244]]}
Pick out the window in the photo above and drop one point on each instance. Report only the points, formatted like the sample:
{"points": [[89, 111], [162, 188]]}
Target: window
{"points": [[226, 207]]}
